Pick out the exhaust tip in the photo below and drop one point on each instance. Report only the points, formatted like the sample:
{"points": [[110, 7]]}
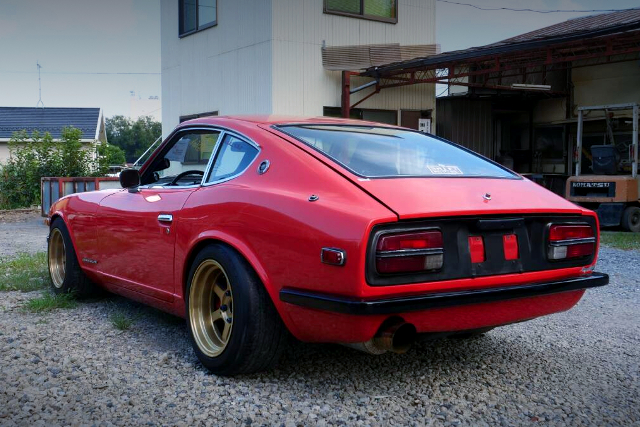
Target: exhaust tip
{"points": [[397, 337]]}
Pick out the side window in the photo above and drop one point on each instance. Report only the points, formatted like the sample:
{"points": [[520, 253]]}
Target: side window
{"points": [[234, 157], [189, 153]]}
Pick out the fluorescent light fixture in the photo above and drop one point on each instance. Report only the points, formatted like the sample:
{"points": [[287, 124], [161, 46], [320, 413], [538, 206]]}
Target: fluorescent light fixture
{"points": [[522, 86]]}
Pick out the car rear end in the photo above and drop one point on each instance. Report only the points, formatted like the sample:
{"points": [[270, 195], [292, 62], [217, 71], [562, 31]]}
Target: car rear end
{"points": [[475, 246]]}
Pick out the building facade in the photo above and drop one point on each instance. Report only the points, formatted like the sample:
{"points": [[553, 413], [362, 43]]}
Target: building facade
{"points": [[230, 57]]}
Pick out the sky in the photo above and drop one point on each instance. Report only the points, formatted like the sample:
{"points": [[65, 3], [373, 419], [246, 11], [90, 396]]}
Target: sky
{"points": [[75, 40], [70, 38]]}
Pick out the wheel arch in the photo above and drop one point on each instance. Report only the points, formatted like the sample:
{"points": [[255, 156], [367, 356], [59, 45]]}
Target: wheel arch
{"points": [[237, 246]]}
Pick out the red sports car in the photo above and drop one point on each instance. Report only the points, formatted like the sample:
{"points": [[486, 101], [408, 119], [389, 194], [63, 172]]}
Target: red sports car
{"points": [[334, 231]]}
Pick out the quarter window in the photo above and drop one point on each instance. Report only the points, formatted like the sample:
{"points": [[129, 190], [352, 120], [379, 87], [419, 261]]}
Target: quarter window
{"points": [[196, 15], [379, 10], [234, 157]]}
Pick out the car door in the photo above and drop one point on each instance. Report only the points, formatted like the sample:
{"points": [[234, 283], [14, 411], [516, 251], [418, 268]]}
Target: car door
{"points": [[136, 231]]}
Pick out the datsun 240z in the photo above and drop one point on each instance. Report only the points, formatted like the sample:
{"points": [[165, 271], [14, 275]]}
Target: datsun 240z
{"points": [[330, 230]]}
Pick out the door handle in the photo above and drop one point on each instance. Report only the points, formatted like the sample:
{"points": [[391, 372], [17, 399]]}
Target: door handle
{"points": [[165, 218]]}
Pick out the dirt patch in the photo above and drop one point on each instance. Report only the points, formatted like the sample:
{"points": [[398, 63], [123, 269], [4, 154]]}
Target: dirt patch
{"points": [[19, 215]]}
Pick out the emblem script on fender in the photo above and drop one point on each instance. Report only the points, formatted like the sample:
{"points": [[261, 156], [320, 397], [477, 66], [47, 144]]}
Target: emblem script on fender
{"points": [[487, 196]]}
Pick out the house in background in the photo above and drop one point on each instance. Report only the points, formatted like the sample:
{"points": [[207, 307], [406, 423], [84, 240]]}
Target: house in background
{"points": [[287, 56], [12, 119]]}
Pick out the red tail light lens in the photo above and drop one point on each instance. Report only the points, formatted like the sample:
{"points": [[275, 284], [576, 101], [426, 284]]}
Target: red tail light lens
{"points": [[571, 241], [568, 232], [422, 240], [409, 252], [510, 246], [476, 249]]}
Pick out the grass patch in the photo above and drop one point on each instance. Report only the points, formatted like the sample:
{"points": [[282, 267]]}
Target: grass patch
{"points": [[620, 240], [24, 272], [121, 321], [48, 302]]}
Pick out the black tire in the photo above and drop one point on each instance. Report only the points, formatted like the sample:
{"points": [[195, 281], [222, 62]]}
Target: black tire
{"points": [[72, 280], [474, 333], [631, 219], [258, 337]]}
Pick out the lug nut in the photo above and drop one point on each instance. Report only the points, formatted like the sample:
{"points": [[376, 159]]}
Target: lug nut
{"points": [[223, 307], [228, 319]]}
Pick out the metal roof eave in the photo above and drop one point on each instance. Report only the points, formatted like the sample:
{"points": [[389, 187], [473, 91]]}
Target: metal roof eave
{"points": [[489, 50]]}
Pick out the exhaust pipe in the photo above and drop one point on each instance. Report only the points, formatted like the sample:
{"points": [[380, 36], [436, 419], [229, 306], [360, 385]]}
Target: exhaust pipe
{"points": [[397, 337]]}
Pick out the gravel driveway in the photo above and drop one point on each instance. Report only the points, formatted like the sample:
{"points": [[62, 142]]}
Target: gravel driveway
{"points": [[74, 367]]}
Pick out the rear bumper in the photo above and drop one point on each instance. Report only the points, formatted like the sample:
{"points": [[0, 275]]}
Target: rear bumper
{"points": [[352, 306]]}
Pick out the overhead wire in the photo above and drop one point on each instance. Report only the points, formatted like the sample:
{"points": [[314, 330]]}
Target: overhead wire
{"points": [[534, 10], [75, 72]]}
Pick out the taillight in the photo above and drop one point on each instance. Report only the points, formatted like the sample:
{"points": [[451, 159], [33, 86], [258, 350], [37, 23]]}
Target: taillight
{"points": [[571, 241], [409, 252], [476, 249]]}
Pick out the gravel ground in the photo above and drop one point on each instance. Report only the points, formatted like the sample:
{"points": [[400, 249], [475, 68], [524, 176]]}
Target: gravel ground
{"points": [[74, 367], [22, 231]]}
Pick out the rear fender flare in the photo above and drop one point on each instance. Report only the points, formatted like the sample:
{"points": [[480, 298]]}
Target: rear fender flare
{"points": [[239, 246]]}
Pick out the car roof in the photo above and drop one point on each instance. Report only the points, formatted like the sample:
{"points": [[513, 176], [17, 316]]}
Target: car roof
{"points": [[277, 120]]}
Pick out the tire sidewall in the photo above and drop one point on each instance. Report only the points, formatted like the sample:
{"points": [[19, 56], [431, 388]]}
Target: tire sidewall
{"points": [[244, 300], [67, 283], [627, 218]]}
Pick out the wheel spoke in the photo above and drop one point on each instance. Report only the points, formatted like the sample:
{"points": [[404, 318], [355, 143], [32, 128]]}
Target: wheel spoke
{"points": [[225, 331], [218, 291], [215, 316]]}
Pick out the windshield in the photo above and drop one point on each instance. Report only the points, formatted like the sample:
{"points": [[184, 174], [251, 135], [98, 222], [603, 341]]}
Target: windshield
{"points": [[389, 152]]}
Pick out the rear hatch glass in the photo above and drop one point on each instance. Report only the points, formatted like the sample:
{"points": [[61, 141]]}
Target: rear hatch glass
{"points": [[382, 152]]}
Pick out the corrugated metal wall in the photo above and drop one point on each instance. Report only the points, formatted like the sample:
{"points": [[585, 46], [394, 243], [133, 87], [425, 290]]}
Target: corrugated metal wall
{"points": [[226, 68], [302, 86], [265, 57], [467, 122]]}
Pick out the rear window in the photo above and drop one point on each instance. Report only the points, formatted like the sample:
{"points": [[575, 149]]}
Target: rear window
{"points": [[389, 152]]}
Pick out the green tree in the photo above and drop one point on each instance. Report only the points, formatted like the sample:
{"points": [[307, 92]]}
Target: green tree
{"points": [[109, 155], [36, 156], [134, 137]]}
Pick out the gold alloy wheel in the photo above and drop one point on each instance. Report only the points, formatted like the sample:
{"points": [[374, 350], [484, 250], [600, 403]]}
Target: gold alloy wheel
{"points": [[211, 308], [57, 258]]}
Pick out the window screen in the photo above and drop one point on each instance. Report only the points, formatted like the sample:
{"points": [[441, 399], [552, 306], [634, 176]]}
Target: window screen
{"points": [[349, 6], [197, 15], [206, 12], [234, 157], [383, 10]]}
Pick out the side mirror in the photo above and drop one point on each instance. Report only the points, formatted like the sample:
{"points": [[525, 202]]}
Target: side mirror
{"points": [[164, 164], [129, 178]]}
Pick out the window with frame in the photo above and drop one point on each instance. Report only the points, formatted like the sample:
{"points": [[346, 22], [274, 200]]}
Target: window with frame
{"points": [[196, 15], [234, 157], [189, 151], [377, 10]]}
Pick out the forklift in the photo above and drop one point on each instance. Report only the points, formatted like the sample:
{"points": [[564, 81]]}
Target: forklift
{"points": [[611, 186]]}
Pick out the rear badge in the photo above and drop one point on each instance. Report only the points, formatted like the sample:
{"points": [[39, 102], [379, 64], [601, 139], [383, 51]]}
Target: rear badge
{"points": [[487, 196], [89, 260]]}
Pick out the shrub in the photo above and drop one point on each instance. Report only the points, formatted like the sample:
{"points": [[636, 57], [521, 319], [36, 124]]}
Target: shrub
{"points": [[36, 156]]}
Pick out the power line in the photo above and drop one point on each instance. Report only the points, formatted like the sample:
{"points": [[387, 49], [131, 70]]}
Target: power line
{"points": [[533, 10], [76, 72]]}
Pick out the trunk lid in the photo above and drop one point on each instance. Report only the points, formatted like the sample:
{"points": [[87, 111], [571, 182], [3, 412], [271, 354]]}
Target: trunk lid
{"points": [[413, 198]]}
